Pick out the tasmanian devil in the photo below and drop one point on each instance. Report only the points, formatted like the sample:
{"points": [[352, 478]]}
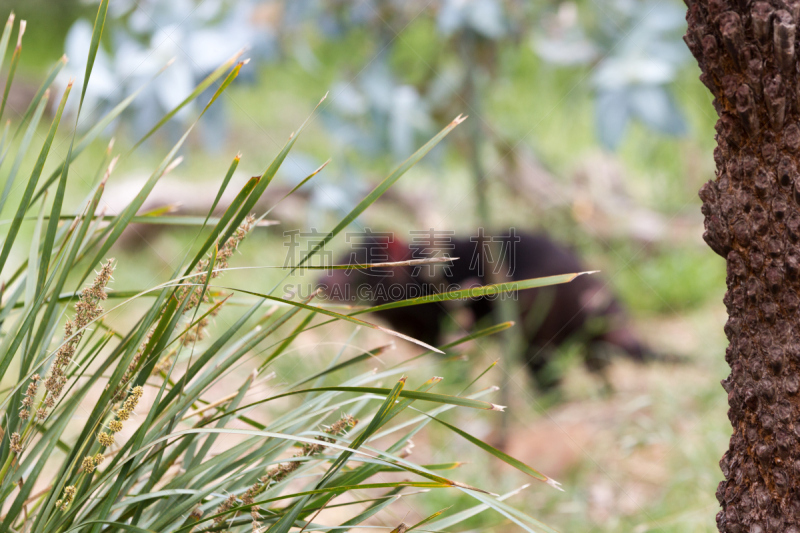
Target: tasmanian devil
{"points": [[582, 311]]}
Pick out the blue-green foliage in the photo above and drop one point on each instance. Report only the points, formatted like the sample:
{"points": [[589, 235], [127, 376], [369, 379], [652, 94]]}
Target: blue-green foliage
{"points": [[635, 48], [638, 52]]}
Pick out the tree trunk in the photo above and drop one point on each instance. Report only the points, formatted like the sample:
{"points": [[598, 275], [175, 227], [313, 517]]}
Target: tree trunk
{"points": [[746, 51]]}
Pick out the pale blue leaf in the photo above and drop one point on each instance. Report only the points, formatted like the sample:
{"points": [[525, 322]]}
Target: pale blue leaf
{"points": [[486, 18], [611, 116], [654, 106]]}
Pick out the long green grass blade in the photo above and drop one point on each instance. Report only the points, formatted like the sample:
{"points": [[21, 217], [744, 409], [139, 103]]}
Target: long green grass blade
{"points": [[368, 513], [266, 179], [32, 181], [519, 465], [114, 471], [97, 33], [382, 187], [22, 152], [346, 318], [413, 395], [476, 292], [14, 62], [377, 422], [167, 220], [468, 293], [33, 259], [374, 353], [6, 37], [96, 129], [429, 519], [287, 521], [457, 518], [521, 519], [223, 186], [124, 219], [287, 341], [43, 88], [115, 525], [328, 490], [202, 86], [58, 199], [4, 138], [223, 222]]}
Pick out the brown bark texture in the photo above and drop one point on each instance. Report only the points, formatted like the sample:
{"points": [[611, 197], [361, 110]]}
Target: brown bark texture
{"points": [[748, 56]]}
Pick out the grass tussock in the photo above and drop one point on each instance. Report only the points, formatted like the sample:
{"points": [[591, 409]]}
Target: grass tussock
{"points": [[107, 429]]}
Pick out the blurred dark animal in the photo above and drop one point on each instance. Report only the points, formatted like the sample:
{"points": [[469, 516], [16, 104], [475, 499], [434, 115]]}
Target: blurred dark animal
{"points": [[582, 311]]}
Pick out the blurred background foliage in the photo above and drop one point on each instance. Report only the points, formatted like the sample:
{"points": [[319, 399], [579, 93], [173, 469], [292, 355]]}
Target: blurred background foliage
{"points": [[586, 120]]}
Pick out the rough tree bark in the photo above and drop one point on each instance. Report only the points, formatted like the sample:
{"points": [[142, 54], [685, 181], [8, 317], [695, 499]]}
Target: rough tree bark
{"points": [[747, 54]]}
